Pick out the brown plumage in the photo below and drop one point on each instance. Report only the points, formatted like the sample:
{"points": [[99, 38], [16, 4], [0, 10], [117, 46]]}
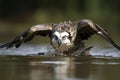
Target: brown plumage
{"points": [[76, 32]]}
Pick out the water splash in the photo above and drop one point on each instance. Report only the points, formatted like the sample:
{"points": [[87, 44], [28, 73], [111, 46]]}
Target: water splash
{"points": [[35, 49], [26, 50], [105, 52]]}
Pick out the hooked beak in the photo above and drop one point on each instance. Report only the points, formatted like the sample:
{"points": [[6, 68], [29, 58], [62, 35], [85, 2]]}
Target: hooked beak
{"points": [[59, 42], [105, 35]]}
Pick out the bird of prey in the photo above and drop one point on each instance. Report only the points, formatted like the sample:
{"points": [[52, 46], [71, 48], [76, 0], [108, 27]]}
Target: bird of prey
{"points": [[65, 37]]}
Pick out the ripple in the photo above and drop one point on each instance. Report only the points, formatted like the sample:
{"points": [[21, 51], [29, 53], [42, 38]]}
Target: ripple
{"points": [[110, 52], [35, 49], [25, 50]]}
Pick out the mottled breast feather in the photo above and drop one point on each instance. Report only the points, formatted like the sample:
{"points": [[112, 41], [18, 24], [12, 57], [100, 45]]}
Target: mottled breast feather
{"points": [[69, 27]]}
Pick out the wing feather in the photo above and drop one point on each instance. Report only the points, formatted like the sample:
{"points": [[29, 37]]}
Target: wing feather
{"points": [[42, 30], [86, 28]]}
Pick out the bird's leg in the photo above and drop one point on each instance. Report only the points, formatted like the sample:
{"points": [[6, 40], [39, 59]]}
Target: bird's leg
{"points": [[84, 52]]}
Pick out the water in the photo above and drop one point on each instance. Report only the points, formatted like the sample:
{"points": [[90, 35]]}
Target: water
{"points": [[16, 64]]}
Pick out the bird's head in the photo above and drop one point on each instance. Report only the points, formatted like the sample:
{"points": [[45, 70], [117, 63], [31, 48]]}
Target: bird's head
{"points": [[61, 40]]}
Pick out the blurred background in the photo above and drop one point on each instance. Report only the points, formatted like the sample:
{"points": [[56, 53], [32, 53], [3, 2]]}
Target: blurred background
{"points": [[18, 15]]}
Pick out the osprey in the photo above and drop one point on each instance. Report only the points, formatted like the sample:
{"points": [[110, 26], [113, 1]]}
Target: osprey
{"points": [[65, 37]]}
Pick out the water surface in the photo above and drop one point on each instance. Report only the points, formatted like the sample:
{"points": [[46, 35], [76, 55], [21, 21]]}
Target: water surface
{"points": [[16, 64]]}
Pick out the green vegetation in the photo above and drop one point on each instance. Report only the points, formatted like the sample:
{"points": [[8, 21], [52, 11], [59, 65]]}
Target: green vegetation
{"points": [[16, 16]]}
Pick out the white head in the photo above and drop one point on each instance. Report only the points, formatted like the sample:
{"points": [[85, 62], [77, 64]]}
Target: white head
{"points": [[61, 40]]}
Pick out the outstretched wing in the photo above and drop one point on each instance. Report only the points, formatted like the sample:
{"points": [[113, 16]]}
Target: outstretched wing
{"points": [[42, 30], [86, 28]]}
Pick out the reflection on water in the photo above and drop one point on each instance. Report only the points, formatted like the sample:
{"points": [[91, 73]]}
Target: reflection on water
{"points": [[58, 68], [103, 65]]}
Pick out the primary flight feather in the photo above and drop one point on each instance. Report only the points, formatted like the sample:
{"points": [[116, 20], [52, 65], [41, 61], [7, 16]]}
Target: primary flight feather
{"points": [[65, 37]]}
